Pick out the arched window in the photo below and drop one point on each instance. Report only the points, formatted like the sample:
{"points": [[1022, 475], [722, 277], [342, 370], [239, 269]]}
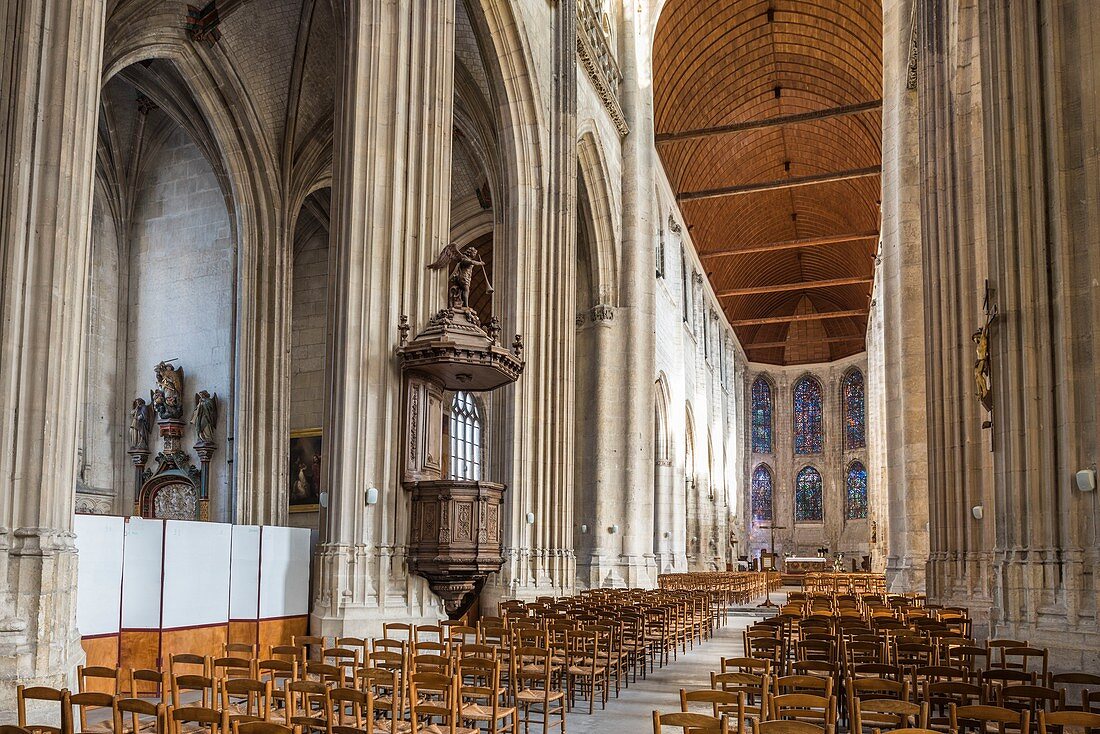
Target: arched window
{"points": [[807, 496], [466, 426], [809, 437], [762, 494], [855, 427], [761, 416], [856, 492]]}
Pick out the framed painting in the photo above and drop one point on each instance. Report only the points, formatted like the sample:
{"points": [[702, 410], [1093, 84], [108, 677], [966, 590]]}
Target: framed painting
{"points": [[305, 488]]}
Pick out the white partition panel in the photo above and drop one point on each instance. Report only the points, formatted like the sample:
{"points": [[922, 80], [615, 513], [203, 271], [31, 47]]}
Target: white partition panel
{"points": [[284, 572], [244, 576], [142, 561], [99, 542], [196, 574]]}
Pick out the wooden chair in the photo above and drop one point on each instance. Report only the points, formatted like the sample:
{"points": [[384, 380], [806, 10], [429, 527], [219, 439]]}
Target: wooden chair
{"points": [[482, 697], [533, 692], [981, 718], [689, 723], [722, 704], [92, 701], [887, 712], [388, 700], [185, 664], [1058, 721], [805, 707], [349, 711], [247, 699], [143, 717], [205, 685], [262, 727], [1032, 699], [197, 719], [99, 678], [225, 668], [146, 682], [588, 666], [434, 701], [312, 644], [307, 705], [1028, 659], [940, 697], [818, 685], [788, 727], [23, 694], [240, 650]]}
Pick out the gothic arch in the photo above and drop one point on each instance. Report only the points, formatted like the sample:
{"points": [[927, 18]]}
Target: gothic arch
{"points": [[662, 432], [603, 211]]}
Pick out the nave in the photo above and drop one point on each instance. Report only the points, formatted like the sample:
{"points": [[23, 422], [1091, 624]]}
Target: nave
{"points": [[699, 654]]}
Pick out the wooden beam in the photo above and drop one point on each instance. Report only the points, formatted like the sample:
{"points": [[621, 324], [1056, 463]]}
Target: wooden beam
{"points": [[804, 285], [781, 184], [824, 316], [826, 114], [826, 340], [838, 239]]}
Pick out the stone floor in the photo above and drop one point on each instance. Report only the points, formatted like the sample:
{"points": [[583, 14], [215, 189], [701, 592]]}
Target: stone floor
{"points": [[633, 710]]}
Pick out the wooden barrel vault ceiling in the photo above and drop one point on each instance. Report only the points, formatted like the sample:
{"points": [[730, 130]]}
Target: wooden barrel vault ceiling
{"points": [[768, 122]]}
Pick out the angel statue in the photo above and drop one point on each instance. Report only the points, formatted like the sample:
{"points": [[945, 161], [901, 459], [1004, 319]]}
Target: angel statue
{"points": [[463, 261], [205, 415], [139, 424], [168, 397]]}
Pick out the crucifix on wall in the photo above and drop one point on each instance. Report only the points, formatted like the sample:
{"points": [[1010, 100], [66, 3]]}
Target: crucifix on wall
{"points": [[982, 375]]}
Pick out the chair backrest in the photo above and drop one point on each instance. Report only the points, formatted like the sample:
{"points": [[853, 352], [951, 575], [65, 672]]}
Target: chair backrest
{"points": [[385, 687], [888, 712], [240, 650], [720, 703], [233, 667], [253, 697], [146, 681], [787, 727], [349, 707], [817, 684], [199, 718], [689, 722], [90, 701], [185, 663], [262, 727], [24, 693], [306, 701], [206, 685], [746, 665], [99, 678], [138, 716], [1061, 719], [980, 716], [803, 707], [433, 698]]}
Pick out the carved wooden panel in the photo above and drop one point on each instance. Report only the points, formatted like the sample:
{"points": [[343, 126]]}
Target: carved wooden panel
{"points": [[423, 455]]}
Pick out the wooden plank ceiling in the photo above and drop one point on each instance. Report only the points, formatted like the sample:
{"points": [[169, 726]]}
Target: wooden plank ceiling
{"points": [[768, 122]]}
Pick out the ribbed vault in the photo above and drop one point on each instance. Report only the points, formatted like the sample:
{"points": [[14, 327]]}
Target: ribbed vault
{"points": [[768, 122]]}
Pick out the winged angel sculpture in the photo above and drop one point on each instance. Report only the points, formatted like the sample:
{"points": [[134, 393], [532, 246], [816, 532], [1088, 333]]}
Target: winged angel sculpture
{"points": [[462, 263]]}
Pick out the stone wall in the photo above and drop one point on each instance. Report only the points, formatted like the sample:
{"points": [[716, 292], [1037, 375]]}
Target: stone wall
{"points": [[182, 288]]}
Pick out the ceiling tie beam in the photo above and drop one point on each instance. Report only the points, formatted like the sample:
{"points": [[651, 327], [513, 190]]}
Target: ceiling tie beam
{"points": [[802, 343], [781, 184], [838, 239], [804, 285], [801, 117], [823, 316]]}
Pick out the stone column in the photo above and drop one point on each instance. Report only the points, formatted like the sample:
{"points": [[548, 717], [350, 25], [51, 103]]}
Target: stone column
{"points": [[391, 217], [638, 296], [50, 70], [903, 307]]}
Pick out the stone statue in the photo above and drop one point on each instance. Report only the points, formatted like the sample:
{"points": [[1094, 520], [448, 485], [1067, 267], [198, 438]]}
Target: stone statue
{"points": [[463, 261], [168, 397], [205, 415], [139, 424]]}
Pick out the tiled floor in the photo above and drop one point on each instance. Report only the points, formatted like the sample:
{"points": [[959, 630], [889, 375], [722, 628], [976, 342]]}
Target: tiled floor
{"points": [[632, 711]]}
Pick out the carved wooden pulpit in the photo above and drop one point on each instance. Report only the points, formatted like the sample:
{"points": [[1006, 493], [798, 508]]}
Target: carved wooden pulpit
{"points": [[455, 536]]}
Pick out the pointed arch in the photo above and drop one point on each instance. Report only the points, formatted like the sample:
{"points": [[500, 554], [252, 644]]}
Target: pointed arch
{"points": [[762, 491], [689, 445], [855, 491], [662, 433], [602, 220], [853, 405], [809, 504], [808, 414], [762, 412]]}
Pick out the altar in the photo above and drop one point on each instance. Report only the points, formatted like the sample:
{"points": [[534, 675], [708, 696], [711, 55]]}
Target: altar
{"points": [[805, 564]]}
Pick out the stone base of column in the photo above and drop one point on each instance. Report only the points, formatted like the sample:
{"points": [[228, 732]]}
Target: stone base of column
{"points": [[906, 574], [39, 642], [613, 571]]}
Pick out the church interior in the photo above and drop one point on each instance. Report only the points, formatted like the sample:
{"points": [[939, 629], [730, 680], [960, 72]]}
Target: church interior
{"points": [[470, 366]]}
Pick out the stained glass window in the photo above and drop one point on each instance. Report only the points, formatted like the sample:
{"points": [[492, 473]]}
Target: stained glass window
{"points": [[762, 494], [807, 496], [465, 437], [761, 416], [855, 431], [808, 432], [856, 486]]}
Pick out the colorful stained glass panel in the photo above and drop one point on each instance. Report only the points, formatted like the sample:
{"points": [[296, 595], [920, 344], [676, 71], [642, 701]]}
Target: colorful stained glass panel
{"points": [[762, 494], [809, 437], [761, 416], [807, 496], [855, 425], [856, 485]]}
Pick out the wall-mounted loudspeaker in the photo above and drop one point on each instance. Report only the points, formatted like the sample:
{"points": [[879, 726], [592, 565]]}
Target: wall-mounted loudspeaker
{"points": [[1086, 480]]}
